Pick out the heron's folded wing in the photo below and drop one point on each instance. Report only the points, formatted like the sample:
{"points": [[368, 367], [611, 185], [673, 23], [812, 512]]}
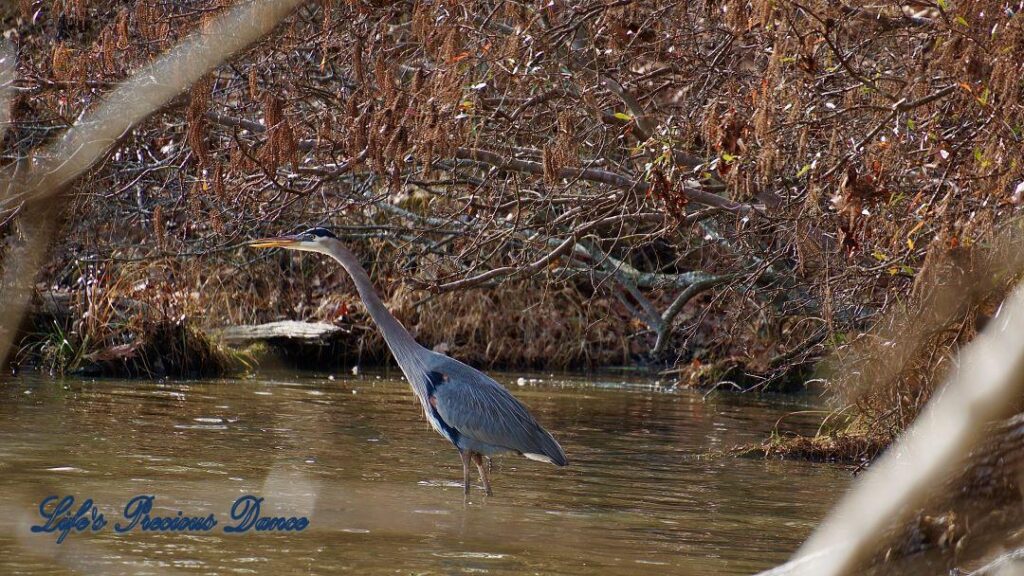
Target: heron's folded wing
{"points": [[482, 409]]}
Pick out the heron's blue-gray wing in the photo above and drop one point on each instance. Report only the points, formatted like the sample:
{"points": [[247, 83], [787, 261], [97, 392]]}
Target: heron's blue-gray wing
{"points": [[478, 407]]}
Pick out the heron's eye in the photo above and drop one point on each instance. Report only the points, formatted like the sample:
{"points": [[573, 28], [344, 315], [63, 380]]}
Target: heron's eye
{"points": [[308, 238]]}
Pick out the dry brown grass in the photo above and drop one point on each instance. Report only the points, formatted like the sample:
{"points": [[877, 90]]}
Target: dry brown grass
{"points": [[118, 316], [837, 447], [890, 373], [521, 324], [127, 319]]}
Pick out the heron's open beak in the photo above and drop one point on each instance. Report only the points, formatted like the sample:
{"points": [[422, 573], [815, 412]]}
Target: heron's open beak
{"points": [[277, 242]]}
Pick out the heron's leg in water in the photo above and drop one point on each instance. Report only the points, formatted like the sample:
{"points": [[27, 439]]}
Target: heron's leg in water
{"points": [[465, 469], [483, 473]]}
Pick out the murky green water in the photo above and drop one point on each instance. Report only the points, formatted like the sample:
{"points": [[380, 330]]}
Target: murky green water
{"points": [[382, 490]]}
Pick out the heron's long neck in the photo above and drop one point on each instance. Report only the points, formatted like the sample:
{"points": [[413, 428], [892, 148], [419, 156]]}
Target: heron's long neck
{"points": [[401, 343]]}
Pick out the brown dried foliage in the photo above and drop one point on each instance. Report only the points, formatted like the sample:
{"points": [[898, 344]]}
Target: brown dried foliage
{"points": [[837, 145]]}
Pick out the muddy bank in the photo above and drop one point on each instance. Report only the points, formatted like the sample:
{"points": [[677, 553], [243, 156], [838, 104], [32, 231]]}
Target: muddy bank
{"points": [[129, 322]]}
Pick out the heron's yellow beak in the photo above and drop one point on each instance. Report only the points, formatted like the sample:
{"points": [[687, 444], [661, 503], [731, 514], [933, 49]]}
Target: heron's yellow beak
{"points": [[277, 242]]}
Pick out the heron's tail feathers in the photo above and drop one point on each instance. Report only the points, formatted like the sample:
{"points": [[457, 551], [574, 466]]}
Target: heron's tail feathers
{"points": [[553, 453]]}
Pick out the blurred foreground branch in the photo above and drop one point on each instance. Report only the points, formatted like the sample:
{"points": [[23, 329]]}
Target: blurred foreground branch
{"points": [[984, 387]]}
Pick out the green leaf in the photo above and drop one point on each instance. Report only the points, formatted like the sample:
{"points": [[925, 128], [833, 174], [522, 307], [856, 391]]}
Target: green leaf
{"points": [[961, 21], [804, 170], [943, 4], [623, 116], [728, 158]]}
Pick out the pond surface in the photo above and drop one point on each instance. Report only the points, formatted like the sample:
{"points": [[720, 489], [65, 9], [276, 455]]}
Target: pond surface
{"points": [[645, 492]]}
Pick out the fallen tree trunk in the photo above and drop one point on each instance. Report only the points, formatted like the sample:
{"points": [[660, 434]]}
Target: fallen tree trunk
{"points": [[286, 331], [312, 345]]}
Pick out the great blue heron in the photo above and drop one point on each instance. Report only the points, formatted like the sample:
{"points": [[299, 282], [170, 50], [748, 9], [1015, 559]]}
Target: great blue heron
{"points": [[478, 415]]}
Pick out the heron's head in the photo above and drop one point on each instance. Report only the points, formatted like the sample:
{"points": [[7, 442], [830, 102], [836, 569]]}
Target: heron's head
{"points": [[312, 240]]}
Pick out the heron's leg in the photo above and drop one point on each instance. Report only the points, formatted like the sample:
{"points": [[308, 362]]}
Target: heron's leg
{"points": [[483, 473], [465, 469]]}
